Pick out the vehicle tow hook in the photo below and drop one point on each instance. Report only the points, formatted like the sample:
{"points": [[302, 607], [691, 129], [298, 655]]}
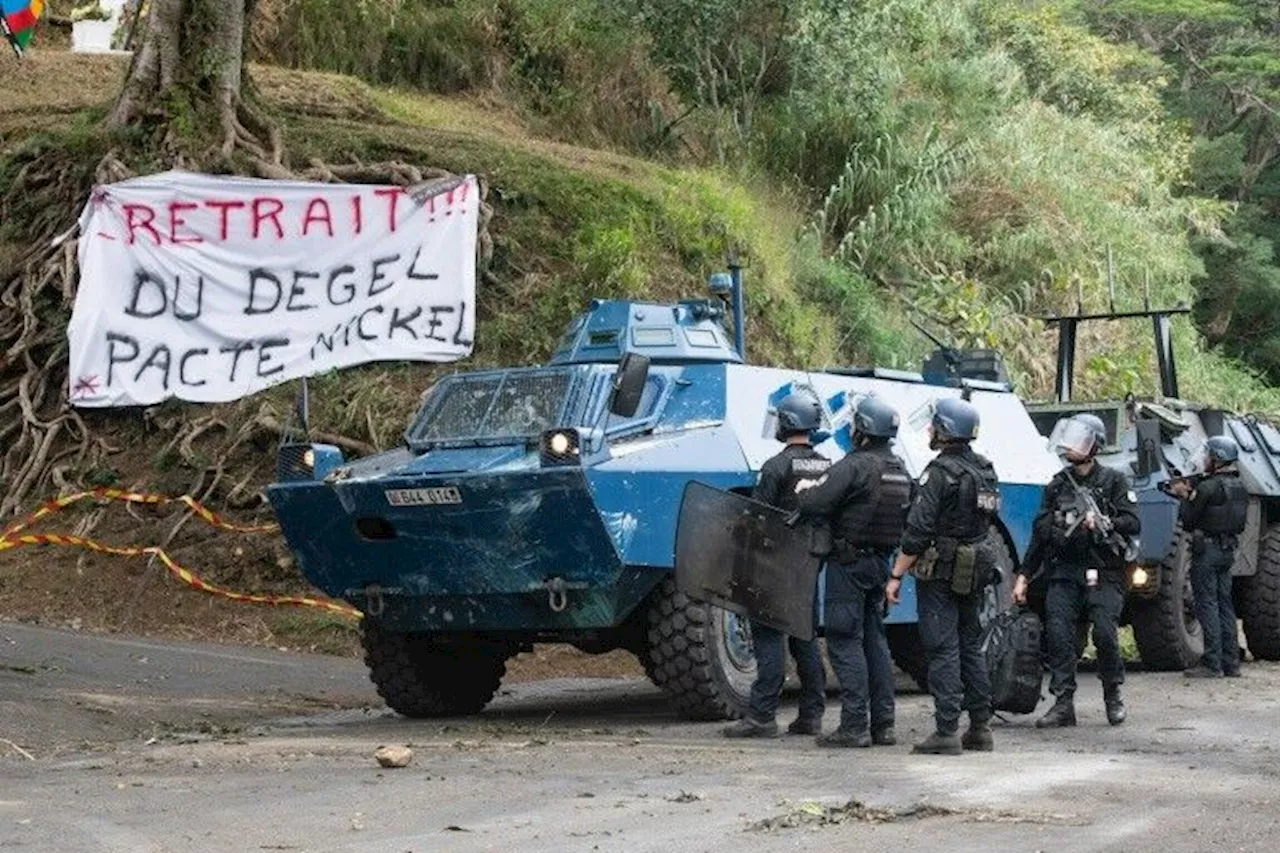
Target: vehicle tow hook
{"points": [[557, 593]]}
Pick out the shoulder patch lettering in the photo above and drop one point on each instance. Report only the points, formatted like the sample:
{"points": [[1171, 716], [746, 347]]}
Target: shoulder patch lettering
{"points": [[810, 466]]}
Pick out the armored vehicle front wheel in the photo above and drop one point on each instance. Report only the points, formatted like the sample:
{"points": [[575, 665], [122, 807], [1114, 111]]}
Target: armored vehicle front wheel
{"points": [[1260, 599], [1165, 628], [700, 654], [418, 676]]}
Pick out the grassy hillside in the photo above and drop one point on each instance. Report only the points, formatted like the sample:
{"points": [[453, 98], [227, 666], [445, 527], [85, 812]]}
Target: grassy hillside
{"points": [[967, 165], [570, 223]]}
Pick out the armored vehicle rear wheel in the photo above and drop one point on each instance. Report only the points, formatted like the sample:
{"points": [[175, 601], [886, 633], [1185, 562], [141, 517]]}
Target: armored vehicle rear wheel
{"points": [[904, 640], [700, 654], [1260, 599], [1165, 628], [418, 677]]}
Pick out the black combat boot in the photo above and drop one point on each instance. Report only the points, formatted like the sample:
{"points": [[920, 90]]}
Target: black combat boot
{"points": [[747, 727], [1115, 706], [1201, 671], [939, 743], [978, 737], [805, 726], [1062, 714], [846, 738], [884, 735]]}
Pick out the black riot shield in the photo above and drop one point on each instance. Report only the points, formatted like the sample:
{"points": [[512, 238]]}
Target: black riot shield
{"points": [[740, 554]]}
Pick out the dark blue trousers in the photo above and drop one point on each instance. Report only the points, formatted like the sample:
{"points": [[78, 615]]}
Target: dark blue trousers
{"points": [[1211, 586], [856, 642], [952, 639], [771, 663]]}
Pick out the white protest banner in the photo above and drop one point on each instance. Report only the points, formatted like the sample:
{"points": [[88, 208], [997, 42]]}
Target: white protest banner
{"points": [[212, 288]]}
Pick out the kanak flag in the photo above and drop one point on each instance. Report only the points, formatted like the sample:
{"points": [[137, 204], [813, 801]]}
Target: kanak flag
{"points": [[20, 18]]}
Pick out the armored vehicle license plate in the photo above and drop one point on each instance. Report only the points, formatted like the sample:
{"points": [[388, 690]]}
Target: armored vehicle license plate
{"points": [[424, 497]]}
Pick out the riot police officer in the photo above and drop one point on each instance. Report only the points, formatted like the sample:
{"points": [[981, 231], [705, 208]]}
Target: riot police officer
{"points": [[1086, 513], [865, 497], [944, 546], [799, 415], [1215, 512]]}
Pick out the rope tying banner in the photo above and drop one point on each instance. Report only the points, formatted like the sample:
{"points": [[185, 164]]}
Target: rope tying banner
{"points": [[10, 539]]}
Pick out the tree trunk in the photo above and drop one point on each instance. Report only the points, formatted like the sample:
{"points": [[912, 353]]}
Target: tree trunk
{"points": [[189, 73]]}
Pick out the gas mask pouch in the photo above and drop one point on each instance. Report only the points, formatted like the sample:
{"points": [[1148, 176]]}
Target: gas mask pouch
{"points": [[964, 573]]}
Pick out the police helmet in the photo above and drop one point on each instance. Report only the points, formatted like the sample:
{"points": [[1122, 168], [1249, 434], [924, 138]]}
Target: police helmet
{"points": [[876, 418], [1222, 450], [799, 412], [1081, 436], [954, 419]]}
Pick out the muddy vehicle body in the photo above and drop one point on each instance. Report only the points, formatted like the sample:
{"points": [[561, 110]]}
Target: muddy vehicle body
{"points": [[1152, 441], [540, 504]]}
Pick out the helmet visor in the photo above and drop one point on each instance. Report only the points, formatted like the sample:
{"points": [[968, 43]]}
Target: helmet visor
{"points": [[1072, 438]]}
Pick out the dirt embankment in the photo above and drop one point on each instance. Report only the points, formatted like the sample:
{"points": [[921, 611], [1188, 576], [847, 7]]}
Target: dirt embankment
{"points": [[50, 91]]}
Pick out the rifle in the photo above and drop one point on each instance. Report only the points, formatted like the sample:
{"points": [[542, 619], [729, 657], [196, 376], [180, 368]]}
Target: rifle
{"points": [[1104, 530], [1194, 479]]}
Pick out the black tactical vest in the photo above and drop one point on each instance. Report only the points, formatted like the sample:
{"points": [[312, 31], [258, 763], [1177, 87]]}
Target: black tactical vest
{"points": [[1228, 507], [967, 517], [881, 518], [805, 464]]}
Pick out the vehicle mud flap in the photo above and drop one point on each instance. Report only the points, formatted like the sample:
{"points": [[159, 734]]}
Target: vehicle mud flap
{"points": [[741, 555]]}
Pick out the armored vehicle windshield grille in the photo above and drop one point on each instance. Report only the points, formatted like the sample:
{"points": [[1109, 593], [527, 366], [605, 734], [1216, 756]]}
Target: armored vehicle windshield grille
{"points": [[518, 404]]}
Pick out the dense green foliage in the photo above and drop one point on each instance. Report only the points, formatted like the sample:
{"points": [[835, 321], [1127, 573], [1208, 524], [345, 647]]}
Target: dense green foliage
{"points": [[969, 163]]}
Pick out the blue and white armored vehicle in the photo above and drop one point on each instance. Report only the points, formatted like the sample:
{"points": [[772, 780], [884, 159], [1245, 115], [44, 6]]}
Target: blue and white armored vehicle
{"points": [[1152, 440], [540, 504]]}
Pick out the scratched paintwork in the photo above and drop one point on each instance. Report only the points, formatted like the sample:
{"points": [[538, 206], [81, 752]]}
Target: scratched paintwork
{"points": [[605, 528]]}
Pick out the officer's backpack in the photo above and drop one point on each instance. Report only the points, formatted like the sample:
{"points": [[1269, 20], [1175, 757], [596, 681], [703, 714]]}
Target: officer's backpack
{"points": [[1011, 644]]}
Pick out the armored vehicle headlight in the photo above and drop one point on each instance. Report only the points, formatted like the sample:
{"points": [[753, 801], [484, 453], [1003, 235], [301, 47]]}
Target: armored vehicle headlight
{"points": [[1139, 576], [309, 458], [560, 447]]}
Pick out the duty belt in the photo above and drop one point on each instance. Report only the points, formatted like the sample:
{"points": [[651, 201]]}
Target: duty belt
{"points": [[859, 551], [1225, 541]]}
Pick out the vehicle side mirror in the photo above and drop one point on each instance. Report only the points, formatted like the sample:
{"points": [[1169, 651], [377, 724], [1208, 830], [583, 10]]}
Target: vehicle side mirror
{"points": [[628, 384], [1148, 461]]}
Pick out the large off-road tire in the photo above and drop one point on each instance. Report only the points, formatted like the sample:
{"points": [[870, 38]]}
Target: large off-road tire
{"points": [[904, 640], [700, 654], [419, 678], [1165, 627], [1259, 597]]}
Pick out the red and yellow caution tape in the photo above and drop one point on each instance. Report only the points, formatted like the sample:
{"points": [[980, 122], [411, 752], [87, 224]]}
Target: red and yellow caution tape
{"points": [[201, 511], [10, 539]]}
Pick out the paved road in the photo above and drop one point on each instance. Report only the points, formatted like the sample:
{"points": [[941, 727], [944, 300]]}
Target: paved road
{"points": [[148, 746]]}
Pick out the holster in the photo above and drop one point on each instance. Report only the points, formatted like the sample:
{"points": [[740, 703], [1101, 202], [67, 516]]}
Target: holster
{"points": [[926, 564]]}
